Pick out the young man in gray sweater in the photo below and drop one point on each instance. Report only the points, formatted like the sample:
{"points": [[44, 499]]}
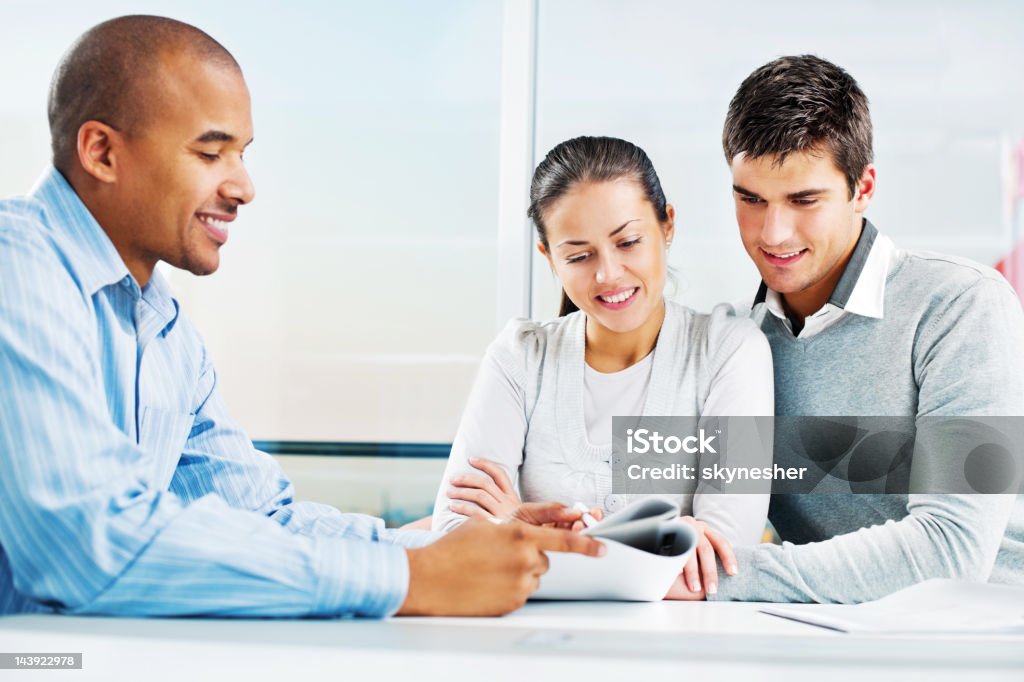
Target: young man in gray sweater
{"points": [[860, 328]]}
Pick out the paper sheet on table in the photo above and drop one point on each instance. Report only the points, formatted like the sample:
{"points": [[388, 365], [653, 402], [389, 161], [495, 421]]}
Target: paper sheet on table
{"points": [[647, 548], [931, 607]]}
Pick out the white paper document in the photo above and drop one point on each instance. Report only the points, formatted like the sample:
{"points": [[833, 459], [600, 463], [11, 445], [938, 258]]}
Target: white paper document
{"points": [[647, 548], [931, 607]]}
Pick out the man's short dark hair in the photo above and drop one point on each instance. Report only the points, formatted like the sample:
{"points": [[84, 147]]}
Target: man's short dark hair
{"points": [[105, 73], [801, 104]]}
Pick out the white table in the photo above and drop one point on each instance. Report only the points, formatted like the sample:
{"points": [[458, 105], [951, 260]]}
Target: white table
{"points": [[544, 640]]}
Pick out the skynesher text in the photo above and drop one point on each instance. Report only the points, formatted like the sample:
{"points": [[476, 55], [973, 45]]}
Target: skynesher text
{"points": [[685, 472]]}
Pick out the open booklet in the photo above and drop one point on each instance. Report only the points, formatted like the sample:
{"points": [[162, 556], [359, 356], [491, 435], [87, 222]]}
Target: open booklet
{"points": [[647, 548], [931, 607]]}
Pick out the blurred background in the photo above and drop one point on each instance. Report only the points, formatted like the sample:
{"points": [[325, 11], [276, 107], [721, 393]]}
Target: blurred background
{"points": [[394, 143]]}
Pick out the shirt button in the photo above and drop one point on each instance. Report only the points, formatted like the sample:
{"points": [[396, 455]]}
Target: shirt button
{"points": [[612, 502]]}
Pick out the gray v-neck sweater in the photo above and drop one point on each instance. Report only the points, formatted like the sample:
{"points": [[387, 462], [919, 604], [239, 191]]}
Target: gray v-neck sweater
{"points": [[951, 343]]}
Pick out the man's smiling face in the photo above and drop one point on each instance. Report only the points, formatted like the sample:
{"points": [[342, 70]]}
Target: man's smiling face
{"points": [[183, 177], [798, 222]]}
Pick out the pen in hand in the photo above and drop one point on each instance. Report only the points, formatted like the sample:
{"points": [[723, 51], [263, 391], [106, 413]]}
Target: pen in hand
{"points": [[588, 520]]}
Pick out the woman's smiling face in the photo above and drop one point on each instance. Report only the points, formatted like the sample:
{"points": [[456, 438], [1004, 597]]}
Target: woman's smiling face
{"points": [[607, 246]]}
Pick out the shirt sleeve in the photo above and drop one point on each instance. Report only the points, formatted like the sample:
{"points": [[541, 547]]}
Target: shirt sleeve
{"points": [[219, 459], [942, 536], [742, 385], [967, 362], [494, 423], [83, 531]]}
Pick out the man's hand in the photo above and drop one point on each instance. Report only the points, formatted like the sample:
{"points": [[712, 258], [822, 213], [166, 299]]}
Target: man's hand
{"points": [[485, 569]]}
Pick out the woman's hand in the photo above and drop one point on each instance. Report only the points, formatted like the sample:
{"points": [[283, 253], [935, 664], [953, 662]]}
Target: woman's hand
{"points": [[494, 494], [689, 585], [496, 497]]}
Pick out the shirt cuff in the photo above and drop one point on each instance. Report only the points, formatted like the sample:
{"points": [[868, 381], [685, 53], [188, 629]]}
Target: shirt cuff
{"points": [[410, 539], [360, 578]]}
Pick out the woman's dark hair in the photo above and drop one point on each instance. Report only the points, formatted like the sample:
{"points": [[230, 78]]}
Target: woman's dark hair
{"points": [[589, 159]]}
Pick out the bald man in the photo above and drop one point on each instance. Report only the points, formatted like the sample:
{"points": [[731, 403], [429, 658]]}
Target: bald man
{"points": [[127, 489]]}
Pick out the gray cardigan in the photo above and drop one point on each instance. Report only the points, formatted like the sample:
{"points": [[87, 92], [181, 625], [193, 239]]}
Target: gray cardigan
{"points": [[526, 410]]}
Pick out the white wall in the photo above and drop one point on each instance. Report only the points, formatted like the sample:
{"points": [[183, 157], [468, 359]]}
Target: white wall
{"points": [[944, 81], [358, 292]]}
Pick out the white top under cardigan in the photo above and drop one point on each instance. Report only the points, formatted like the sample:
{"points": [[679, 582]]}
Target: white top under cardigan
{"points": [[609, 394], [526, 410]]}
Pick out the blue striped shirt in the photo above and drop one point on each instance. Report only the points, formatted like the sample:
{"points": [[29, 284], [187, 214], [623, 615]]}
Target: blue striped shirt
{"points": [[126, 488]]}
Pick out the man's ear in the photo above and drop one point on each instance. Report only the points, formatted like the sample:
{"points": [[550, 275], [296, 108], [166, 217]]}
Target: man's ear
{"points": [[865, 189], [98, 150]]}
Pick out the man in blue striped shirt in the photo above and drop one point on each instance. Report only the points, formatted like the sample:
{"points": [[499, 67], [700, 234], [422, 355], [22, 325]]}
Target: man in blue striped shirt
{"points": [[126, 487]]}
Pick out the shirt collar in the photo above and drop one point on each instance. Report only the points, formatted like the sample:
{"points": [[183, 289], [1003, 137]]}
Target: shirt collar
{"points": [[861, 288], [158, 294], [89, 253]]}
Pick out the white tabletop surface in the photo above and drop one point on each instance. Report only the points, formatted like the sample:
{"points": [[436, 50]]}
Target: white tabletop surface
{"points": [[544, 640]]}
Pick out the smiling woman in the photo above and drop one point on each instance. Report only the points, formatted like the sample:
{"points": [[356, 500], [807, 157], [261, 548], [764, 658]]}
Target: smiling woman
{"points": [[542, 406]]}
